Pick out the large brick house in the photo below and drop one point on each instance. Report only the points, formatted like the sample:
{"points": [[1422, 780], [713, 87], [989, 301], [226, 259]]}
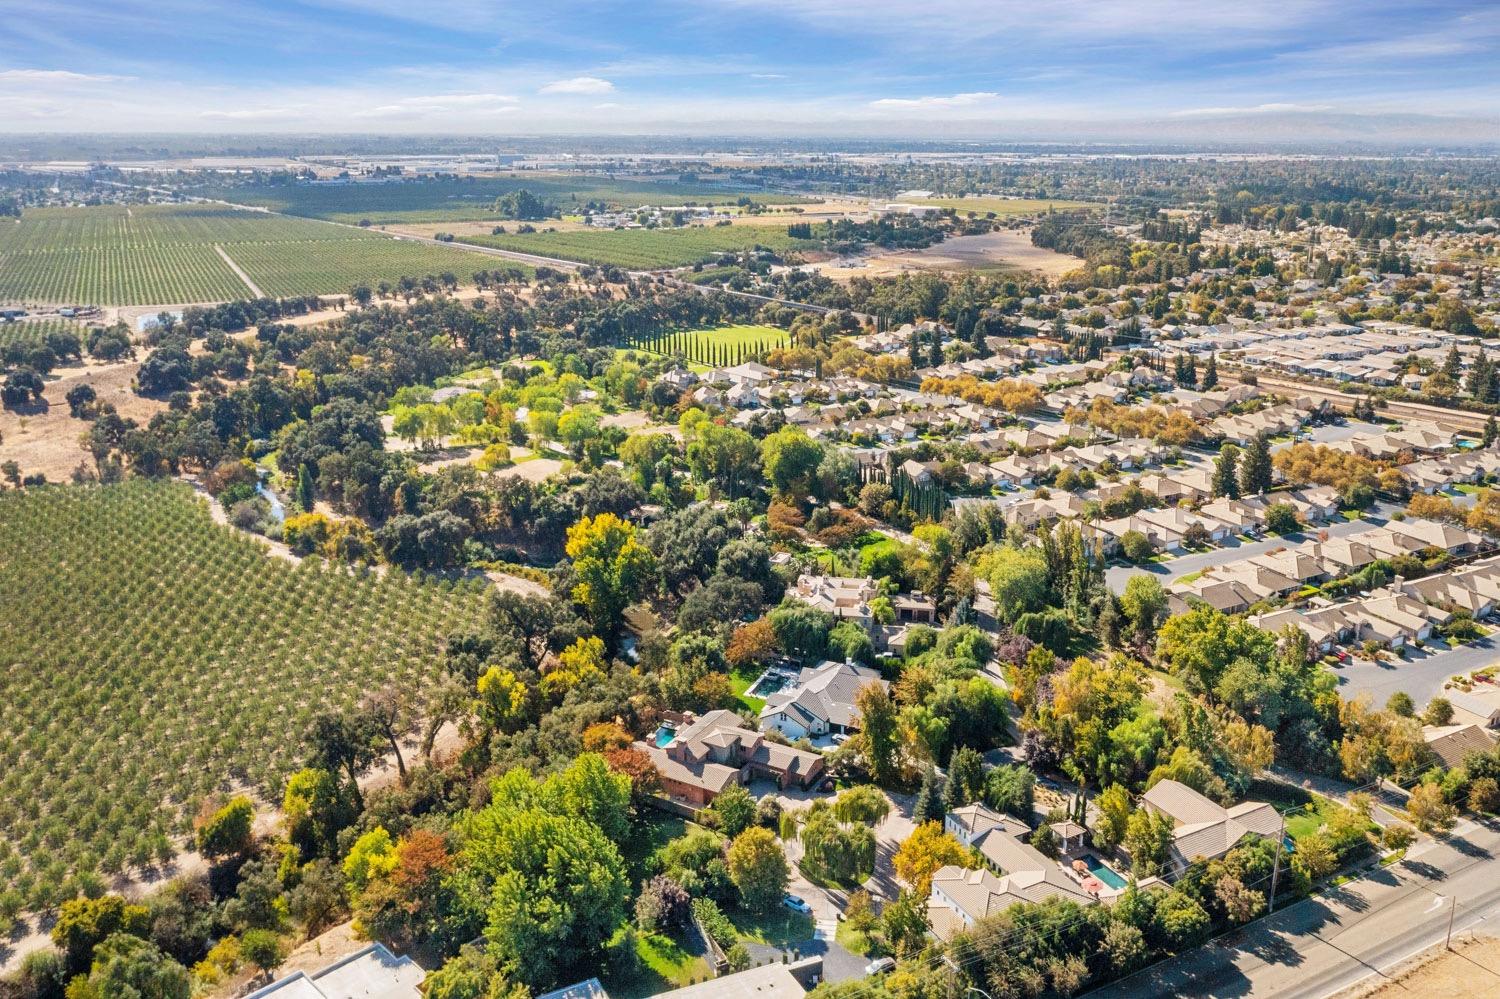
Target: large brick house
{"points": [[708, 754]]}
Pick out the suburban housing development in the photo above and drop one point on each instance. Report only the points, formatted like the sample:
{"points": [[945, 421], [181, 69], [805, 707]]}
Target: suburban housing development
{"points": [[581, 501]]}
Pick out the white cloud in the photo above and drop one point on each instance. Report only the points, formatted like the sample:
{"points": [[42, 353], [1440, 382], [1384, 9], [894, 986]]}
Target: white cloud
{"points": [[56, 76], [586, 85], [248, 114], [768, 76], [442, 104], [1255, 109], [977, 99]]}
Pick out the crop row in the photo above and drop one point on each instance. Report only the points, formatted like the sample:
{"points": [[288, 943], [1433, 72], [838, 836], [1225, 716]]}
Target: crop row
{"points": [[454, 199], [119, 275], [644, 249], [283, 269], [34, 332], [154, 658]]}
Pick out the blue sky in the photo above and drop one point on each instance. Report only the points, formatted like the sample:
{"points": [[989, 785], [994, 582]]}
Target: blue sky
{"points": [[821, 67]]}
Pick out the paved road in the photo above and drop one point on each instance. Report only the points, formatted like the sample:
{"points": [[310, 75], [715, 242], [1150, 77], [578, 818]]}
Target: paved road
{"points": [[1322, 945], [1235, 551], [1421, 675]]}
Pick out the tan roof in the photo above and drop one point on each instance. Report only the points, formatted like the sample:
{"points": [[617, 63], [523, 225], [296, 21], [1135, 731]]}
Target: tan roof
{"points": [[1204, 828], [983, 893], [706, 774], [1181, 803], [1454, 743]]}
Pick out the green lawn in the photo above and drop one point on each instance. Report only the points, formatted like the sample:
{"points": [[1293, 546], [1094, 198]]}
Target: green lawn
{"points": [[740, 680], [1309, 819], [718, 344], [854, 941], [779, 927], [1190, 577], [879, 547], [664, 964], [652, 831]]}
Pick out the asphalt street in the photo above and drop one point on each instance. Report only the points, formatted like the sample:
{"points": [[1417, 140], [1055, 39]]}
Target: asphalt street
{"points": [[1324, 944]]}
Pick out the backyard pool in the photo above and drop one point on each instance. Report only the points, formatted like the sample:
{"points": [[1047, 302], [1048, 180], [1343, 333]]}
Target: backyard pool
{"points": [[769, 683], [664, 736], [1098, 869]]}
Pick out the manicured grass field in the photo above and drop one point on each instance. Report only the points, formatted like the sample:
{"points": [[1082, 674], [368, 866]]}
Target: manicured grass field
{"points": [[463, 199], [153, 658], [740, 680], [645, 249], [169, 254], [697, 343], [1003, 206]]}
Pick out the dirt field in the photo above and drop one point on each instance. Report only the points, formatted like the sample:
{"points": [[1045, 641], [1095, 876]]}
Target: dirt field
{"points": [[1472, 968], [1005, 249], [45, 438]]}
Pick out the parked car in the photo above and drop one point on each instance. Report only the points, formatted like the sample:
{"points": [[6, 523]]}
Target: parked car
{"points": [[796, 904], [880, 965]]}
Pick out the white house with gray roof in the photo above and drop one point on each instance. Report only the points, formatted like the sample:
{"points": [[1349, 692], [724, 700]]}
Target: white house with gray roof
{"points": [[820, 702]]}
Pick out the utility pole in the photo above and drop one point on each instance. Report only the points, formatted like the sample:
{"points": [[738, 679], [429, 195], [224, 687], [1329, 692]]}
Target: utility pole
{"points": [[1276, 867], [1452, 911]]}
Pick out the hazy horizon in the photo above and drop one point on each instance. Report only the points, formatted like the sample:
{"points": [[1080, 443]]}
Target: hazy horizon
{"points": [[1077, 70]]}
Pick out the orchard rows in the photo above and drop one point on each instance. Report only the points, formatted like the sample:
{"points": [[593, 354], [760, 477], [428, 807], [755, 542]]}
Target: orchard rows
{"points": [[152, 658]]}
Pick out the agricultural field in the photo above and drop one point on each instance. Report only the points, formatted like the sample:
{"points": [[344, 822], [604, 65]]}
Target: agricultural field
{"points": [[32, 333], [715, 346], [464, 199], [1003, 206], [645, 249], [169, 254], [153, 658]]}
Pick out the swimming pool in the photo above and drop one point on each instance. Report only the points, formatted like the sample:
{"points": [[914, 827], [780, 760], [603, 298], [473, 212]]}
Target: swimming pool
{"points": [[1098, 869], [664, 736], [769, 683]]}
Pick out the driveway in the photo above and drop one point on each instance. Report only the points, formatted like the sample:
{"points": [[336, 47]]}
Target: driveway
{"points": [[828, 903], [1420, 675]]}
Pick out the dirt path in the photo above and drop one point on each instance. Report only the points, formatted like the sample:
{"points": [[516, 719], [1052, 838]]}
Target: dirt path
{"points": [[45, 438], [1471, 968], [254, 288]]}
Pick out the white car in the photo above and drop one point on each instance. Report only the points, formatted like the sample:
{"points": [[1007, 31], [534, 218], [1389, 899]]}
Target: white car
{"points": [[880, 965], [796, 905]]}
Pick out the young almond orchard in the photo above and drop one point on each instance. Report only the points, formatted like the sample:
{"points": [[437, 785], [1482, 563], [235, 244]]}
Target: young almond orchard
{"points": [[153, 659]]}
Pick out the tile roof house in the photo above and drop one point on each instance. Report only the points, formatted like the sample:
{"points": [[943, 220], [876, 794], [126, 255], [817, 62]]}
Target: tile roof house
{"points": [[1454, 743], [821, 701], [961, 897], [1203, 828], [712, 752], [845, 597]]}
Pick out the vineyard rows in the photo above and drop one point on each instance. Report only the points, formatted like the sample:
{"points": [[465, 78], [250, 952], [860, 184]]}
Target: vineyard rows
{"points": [[165, 254], [458, 199], [644, 249], [151, 658], [34, 332]]}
